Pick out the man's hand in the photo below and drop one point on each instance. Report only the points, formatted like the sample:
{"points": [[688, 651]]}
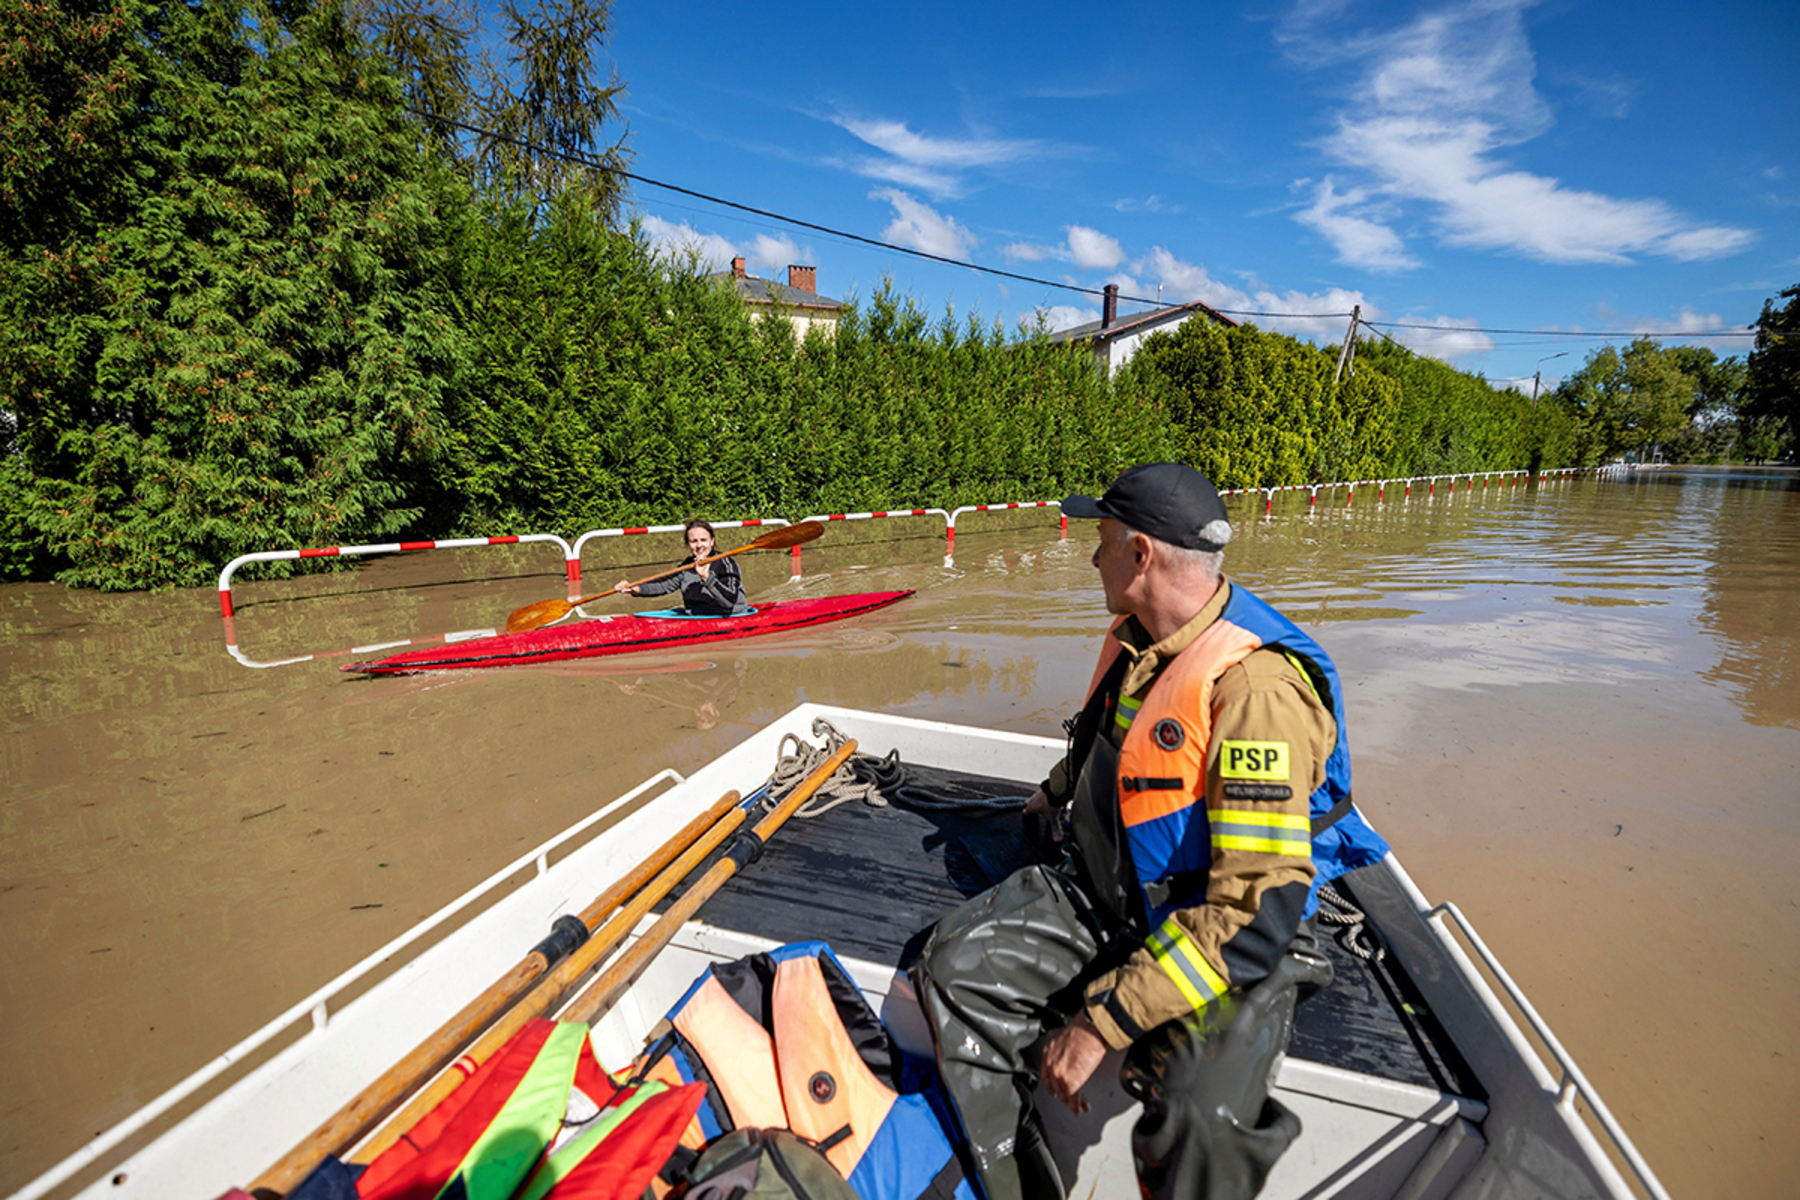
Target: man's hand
{"points": [[1039, 806], [1070, 1056]]}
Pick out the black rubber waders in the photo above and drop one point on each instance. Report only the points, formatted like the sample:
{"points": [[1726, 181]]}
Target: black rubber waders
{"points": [[1210, 1130]]}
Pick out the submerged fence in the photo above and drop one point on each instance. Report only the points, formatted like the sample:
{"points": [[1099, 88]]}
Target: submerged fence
{"points": [[1429, 484]]}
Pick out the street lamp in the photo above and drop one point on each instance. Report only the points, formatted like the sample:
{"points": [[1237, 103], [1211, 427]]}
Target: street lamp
{"points": [[1538, 374]]}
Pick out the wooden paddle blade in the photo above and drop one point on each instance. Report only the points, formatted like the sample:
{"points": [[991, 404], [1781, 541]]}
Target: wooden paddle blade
{"points": [[788, 535], [533, 616]]}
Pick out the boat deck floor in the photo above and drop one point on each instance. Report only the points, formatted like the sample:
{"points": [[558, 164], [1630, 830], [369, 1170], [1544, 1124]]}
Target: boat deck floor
{"points": [[867, 879]]}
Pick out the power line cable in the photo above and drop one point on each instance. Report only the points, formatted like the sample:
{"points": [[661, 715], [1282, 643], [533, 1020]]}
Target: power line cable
{"points": [[585, 160], [1565, 333]]}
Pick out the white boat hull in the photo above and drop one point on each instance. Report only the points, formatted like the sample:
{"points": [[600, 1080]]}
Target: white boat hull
{"points": [[1363, 1136]]}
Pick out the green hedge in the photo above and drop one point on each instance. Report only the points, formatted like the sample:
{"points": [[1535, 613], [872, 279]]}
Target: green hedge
{"points": [[222, 318], [1259, 409], [243, 307], [609, 386]]}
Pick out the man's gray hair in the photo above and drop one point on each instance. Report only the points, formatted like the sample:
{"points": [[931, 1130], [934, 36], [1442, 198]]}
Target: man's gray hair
{"points": [[1209, 563]]}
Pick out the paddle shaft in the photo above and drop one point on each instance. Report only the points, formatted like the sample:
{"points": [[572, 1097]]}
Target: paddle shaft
{"points": [[551, 987], [352, 1122], [605, 991]]}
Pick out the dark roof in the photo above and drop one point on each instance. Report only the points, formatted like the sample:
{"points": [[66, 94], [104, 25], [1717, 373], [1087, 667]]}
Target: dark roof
{"points": [[1137, 323], [754, 290]]}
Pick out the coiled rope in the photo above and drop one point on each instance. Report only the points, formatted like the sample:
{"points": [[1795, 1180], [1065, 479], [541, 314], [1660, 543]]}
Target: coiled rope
{"points": [[1354, 934], [870, 778]]}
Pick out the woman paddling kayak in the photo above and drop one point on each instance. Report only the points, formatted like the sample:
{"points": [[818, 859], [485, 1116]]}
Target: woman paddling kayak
{"points": [[707, 589]]}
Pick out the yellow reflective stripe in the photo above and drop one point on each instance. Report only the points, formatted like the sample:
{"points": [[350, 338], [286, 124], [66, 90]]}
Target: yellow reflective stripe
{"points": [[1261, 833], [1268, 820], [1185, 966], [1127, 712], [1300, 666], [1262, 845]]}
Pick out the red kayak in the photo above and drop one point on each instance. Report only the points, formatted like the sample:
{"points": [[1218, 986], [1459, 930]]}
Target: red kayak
{"points": [[626, 635]]}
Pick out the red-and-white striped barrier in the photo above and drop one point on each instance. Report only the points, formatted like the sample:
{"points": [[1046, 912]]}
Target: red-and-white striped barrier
{"points": [[462, 635], [379, 548], [876, 516], [631, 530], [870, 516], [1487, 478], [572, 554], [950, 519]]}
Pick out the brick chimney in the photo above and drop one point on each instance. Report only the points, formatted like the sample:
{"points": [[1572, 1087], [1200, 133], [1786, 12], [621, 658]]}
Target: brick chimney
{"points": [[737, 267], [1109, 306], [803, 279]]}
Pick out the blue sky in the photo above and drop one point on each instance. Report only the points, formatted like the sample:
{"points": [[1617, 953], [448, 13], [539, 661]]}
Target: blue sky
{"points": [[1553, 166]]}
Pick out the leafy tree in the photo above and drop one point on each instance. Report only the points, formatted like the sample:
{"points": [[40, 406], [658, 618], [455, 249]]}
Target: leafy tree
{"points": [[1629, 403], [222, 297], [1771, 393], [1714, 431], [527, 123]]}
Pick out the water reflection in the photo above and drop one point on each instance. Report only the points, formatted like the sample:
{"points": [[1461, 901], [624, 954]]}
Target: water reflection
{"points": [[1752, 587], [186, 846]]}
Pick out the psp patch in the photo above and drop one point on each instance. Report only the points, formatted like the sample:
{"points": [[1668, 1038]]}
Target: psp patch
{"points": [[1169, 734], [1253, 760], [1257, 791]]}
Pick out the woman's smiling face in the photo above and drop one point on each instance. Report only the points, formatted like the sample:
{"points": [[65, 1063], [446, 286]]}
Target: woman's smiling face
{"points": [[699, 542]]}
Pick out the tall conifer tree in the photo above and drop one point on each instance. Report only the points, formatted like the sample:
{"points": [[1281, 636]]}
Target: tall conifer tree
{"points": [[223, 277]]}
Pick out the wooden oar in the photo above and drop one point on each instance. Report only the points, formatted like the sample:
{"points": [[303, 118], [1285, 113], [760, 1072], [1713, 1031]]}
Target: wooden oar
{"points": [[545, 611], [578, 964], [605, 991], [351, 1123]]}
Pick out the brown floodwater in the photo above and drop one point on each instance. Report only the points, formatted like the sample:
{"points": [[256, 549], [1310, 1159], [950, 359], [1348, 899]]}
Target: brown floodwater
{"points": [[1575, 710]]}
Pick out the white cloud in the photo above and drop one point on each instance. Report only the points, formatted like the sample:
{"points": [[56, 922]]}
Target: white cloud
{"points": [[1448, 338], [1686, 322], [776, 252], [918, 226], [938, 183], [1151, 204], [716, 252], [1440, 101], [1066, 316], [900, 141], [1185, 281], [930, 164], [1711, 242], [668, 238], [1092, 250], [1086, 248], [1360, 240]]}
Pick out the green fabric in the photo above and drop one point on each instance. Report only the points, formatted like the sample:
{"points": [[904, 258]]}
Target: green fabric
{"points": [[513, 1142], [570, 1156]]}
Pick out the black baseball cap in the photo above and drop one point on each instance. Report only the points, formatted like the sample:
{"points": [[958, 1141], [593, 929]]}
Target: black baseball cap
{"points": [[1169, 501]]}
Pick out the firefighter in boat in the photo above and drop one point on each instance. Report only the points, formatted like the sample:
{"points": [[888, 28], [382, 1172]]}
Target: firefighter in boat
{"points": [[1204, 798]]}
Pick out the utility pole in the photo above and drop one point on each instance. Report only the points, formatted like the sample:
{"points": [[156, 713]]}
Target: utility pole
{"points": [[1537, 375], [1347, 353]]}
